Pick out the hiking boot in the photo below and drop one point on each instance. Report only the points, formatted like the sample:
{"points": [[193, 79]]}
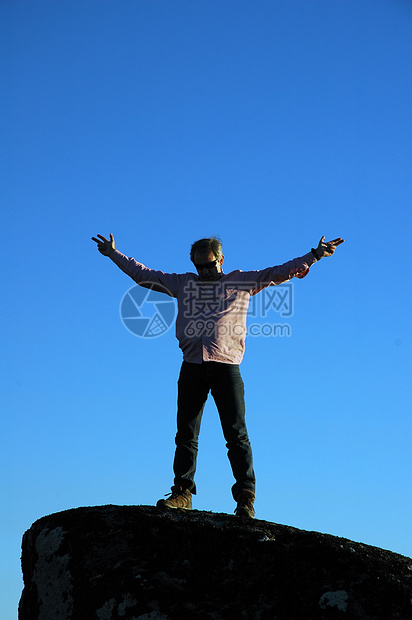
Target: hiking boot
{"points": [[179, 498], [244, 507]]}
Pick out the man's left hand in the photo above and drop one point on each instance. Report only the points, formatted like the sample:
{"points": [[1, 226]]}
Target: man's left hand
{"points": [[327, 248]]}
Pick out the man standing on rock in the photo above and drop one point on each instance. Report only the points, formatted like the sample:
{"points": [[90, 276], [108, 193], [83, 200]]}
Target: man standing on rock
{"points": [[211, 330]]}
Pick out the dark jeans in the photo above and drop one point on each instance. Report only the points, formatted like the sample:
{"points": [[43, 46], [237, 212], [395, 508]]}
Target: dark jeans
{"points": [[226, 386]]}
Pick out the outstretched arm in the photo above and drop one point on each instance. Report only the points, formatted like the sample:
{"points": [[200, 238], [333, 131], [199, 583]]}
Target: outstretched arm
{"points": [[296, 268], [105, 246], [168, 283], [326, 248]]}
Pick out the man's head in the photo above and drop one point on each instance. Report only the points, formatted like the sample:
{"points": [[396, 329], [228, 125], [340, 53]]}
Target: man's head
{"points": [[207, 257]]}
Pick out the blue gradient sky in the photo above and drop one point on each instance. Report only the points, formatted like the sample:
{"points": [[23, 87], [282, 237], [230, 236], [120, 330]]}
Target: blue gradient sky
{"points": [[269, 123]]}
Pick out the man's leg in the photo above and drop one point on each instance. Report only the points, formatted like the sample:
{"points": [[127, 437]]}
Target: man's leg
{"points": [[228, 392], [192, 396]]}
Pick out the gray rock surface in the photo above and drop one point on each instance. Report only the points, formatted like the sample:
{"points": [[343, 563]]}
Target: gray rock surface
{"points": [[137, 563]]}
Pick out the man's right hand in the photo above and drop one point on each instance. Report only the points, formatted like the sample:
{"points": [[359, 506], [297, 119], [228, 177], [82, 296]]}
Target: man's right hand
{"points": [[105, 246]]}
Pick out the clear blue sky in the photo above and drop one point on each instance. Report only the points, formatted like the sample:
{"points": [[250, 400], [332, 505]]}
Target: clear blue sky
{"points": [[269, 123]]}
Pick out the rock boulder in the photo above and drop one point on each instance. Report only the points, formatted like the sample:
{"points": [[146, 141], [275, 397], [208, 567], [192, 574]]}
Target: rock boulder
{"points": [[137, 563]]}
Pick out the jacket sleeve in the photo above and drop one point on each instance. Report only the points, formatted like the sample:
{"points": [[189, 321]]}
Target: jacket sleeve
{"points": [[168, 283], [296, 268]]}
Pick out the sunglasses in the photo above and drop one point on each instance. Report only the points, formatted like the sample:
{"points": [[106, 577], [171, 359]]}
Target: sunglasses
{"points": [[210, 265]]}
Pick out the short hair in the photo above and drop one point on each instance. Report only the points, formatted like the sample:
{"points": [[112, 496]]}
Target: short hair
{"points": [[204, 246]]}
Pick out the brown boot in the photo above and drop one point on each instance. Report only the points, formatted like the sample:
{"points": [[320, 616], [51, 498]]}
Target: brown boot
{"points": [[245, 501], [179, 498]]}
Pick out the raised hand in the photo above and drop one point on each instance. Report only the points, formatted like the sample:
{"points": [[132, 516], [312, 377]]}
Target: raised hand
{"points": [[327, 248], [105, 246]]}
